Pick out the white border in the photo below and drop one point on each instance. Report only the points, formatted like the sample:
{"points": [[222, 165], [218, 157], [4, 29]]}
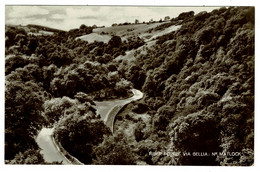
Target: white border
{"points": [[127, 2]]}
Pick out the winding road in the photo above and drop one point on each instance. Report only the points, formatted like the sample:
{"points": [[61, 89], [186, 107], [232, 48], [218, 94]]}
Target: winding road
{"points": [[107, 109], [50, 150]]}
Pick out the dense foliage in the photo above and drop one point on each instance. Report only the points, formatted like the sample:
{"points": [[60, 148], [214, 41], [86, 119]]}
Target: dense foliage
{"points": [[203, 77], [198, 84], [46, 74], [115, 150], [81, 126]]}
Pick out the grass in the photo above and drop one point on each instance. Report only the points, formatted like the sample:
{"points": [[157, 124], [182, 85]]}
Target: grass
{"points": [[126, 31], [95, 37], [144, 31], [122, 30]]}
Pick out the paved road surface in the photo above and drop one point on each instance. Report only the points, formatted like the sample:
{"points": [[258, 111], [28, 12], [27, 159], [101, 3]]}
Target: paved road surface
{"points": [[49, 149], [45, 140], [104, 108]]}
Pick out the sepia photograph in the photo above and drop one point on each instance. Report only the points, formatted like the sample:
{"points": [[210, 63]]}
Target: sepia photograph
{"points": [[129, 85]]}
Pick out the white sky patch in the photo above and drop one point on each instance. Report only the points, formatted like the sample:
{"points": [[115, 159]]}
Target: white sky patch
{"points": [[71, 24], [70, 17], [58, 16], [26, 11], [42, 22], [73, 12]]}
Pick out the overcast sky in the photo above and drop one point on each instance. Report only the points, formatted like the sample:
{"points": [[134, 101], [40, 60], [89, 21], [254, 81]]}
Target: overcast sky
{"points": [[68, 17]]}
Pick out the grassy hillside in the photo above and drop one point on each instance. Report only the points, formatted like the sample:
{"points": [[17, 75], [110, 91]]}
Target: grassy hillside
{"points": [[147, 32], [127, 30], [92, 37]]}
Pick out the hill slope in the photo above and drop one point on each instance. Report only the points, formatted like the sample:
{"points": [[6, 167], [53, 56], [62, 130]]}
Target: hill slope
{"points": [[147, 32], [199, 86], [92, 37]]}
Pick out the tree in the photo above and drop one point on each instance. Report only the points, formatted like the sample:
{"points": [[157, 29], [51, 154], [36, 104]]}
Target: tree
{"points": [[136, 76], [32, 45], [115, 150], [80, 131], [10, 34], [185, 15], [21, 39], [104, 59], [196, 132], [30, 156], [140, 108], [55, 108], [138, 132], [205, 35], [82, 27], [166, 18], [13, 62], [115, 42], [84, 98], [48, 75], [163, 117], [149, 86], [122, 87], [23, 118]]}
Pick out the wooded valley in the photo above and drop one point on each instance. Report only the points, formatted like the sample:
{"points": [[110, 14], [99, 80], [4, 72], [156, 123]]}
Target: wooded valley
{"points": [[197, 80]]}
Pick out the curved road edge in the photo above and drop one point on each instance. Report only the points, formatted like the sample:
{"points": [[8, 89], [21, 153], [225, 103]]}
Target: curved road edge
{"points": [[50, 147], [71, 159], [117, 108]]}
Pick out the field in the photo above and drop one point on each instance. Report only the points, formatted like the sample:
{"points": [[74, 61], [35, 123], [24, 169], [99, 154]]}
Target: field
{"points": [[95, 37], [144, 31]]}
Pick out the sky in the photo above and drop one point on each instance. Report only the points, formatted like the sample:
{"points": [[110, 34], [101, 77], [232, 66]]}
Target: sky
{"points": [[70, 17]]}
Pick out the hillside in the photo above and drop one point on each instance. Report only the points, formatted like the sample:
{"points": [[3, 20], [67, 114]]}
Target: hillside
{"points": [[127, 30], [36, 30], [196, 73], [92, 37], [147, 32], [199, 87], [44, 28]]}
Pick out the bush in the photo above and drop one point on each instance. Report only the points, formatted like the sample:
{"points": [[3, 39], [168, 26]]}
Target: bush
{"points": [[140, 108]]}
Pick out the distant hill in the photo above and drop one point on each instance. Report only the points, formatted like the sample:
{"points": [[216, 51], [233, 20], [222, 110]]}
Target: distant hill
{"points": [[147, 32], [36, 30], [44, 28]]}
